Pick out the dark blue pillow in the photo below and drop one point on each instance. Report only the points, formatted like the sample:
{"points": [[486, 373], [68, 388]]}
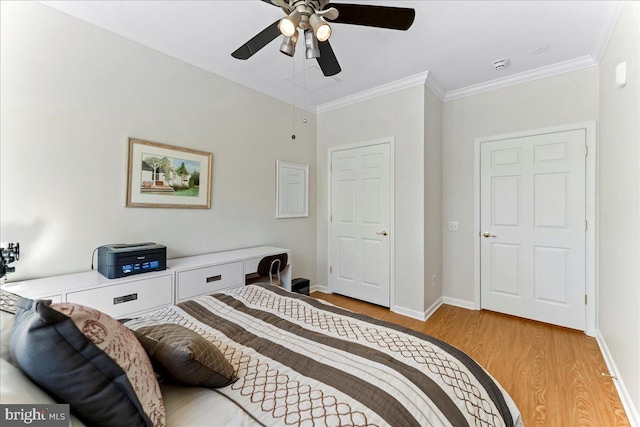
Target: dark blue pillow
{"points": [[57, 356]]}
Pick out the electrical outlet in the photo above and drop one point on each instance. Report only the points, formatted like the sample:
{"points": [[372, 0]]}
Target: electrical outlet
{"points": [[453, 225], [433, 280]]}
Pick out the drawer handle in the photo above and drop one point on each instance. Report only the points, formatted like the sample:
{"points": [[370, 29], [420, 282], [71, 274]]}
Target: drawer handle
{"points": [[125, 298], [214, 278]]}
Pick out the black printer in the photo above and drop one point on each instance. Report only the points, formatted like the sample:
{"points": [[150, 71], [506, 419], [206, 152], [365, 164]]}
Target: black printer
{"points": [[122, 260]]}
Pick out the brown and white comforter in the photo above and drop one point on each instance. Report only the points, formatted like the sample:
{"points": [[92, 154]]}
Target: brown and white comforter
{"points": [[303, 362]]}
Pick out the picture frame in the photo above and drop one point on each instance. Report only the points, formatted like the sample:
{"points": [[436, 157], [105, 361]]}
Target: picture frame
{"points": [[292, 190], [166, 176]]}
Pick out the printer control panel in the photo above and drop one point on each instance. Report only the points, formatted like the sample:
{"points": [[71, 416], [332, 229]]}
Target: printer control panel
{"points": [[140, 267]]}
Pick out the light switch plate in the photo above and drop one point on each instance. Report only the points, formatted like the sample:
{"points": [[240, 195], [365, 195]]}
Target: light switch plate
{"points": [[621, 75]]}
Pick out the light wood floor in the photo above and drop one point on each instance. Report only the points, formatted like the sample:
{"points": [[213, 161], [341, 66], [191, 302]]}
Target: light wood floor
{"points": [[553, 374]]}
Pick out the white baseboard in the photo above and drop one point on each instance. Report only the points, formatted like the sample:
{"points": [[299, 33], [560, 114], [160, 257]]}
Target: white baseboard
{"points": [[415, 314], [319, 288], [469, 305], [429, 311], [396, 309], [627, 402]]}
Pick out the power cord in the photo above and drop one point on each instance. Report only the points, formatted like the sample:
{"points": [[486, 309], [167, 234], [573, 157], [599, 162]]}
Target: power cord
{"points": [[93, 256]]}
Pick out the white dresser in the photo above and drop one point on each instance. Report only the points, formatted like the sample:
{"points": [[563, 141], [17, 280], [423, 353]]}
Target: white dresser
{"points": [[184, 278]]}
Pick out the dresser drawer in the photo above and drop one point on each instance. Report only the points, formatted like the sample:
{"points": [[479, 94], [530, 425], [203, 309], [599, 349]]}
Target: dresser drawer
{"points": [[126, 298], [207, 280]]}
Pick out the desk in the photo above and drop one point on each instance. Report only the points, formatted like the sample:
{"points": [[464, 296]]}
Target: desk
{"points": [[205, 274]]}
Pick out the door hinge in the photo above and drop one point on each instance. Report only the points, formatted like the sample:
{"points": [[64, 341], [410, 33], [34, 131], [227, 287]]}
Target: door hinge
{"points": [[586, 150], [331, 167], [586, 225], [330, 270], [585, 299], [330, 218]]}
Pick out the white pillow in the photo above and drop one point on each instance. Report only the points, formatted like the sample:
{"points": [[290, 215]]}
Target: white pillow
{"points": [[15, 387]]}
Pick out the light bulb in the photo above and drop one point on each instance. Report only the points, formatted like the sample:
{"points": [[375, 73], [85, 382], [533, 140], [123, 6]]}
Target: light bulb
{"points": [[323, 32], [289, 24], [321, 29], [287, 27]]}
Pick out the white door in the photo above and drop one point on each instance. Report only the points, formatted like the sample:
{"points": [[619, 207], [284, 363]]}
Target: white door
{"points": [[359, 223], [532, 218]]}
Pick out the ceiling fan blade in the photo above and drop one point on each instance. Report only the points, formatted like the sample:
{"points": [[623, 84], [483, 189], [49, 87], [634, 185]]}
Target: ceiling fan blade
{"points": [[395, 18], [271, 3], [327, 60], [259, 41]]}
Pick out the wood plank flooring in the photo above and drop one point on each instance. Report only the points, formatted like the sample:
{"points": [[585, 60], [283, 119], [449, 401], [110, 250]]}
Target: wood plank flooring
{"points": [[553, 374]]}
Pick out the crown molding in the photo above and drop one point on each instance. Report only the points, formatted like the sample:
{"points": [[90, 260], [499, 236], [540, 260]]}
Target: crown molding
{"points": [[606, 29], [527, 76], [427, 78], [435, 87], [415, 80]]}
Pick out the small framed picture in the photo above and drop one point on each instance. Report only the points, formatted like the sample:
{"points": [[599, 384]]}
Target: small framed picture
{"points": [[166, 176], [292, 190]]}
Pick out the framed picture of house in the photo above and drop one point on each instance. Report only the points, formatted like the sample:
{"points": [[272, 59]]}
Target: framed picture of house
{"points": [[166, 176]]}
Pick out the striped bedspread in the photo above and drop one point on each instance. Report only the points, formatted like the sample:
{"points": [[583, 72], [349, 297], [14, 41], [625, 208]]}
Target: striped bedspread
{"points": [[304, 362]]}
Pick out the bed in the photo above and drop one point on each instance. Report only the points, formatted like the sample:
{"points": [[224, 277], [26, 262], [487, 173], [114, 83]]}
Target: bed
{"points": [[301, 361]]}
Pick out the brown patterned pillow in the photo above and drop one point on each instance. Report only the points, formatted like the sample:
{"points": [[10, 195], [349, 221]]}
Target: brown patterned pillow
{"points": [[185, 356], [121, 345]]}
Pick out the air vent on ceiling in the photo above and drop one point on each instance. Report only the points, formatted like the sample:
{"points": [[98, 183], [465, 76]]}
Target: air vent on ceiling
{"points": [[540, 50], [499, 64], [312, 80]]}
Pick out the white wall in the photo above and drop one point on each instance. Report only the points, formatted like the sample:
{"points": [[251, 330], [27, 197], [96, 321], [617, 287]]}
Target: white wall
{"points": [[619, 207], [71, 95], [562, 99], [399, 115], [433, 199]]}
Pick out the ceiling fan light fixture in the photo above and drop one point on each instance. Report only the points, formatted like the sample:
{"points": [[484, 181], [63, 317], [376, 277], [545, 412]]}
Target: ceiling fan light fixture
{"points": [[311, 43], [321, 28], [312, 15], [288, 46], [289, 24]]}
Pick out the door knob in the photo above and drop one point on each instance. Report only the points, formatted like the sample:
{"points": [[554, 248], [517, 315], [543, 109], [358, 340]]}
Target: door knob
{"points": [[486, 234], [382, 233]]}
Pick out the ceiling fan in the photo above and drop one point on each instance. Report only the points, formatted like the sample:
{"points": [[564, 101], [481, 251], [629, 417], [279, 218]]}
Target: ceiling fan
{"points": [[310, 16]]}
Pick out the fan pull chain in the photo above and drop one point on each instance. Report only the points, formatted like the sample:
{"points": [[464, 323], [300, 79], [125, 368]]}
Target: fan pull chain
{"points": [[293, 99], [304, 89]]}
